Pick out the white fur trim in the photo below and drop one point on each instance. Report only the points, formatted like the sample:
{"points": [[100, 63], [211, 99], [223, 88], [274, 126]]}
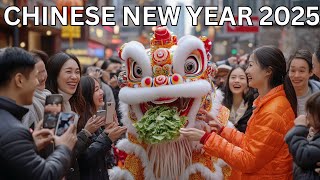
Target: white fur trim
{"points": [[126, 120], [138, 95], [205, 172], [116, 173], [137, 52], [130, 148], [186, 45], [217, 98], [193, 112]]}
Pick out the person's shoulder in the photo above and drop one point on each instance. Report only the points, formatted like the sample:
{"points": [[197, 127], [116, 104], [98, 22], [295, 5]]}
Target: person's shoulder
{"points": [[278, 104], [315, 85]]}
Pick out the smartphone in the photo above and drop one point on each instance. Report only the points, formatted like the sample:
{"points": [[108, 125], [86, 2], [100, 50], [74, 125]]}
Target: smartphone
{"points": [[52, 108], [101, 113], [64, 122], [111, 110]]}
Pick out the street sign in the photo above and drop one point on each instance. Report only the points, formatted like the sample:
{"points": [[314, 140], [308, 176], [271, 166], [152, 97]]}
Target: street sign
{"points": [[71, 31], [245, 28]]}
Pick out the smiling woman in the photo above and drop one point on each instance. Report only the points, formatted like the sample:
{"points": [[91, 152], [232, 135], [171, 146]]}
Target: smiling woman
{"points": [[238, 97]]}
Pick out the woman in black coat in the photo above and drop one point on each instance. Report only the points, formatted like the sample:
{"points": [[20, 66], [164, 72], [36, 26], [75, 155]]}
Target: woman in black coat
{"points": [[92, 161]]}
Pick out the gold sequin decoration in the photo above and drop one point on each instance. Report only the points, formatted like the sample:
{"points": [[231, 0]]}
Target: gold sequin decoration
{"points": [[204, 159], [134, 140], [223, 115], [196, 176], [226, 170], [134, 166]]}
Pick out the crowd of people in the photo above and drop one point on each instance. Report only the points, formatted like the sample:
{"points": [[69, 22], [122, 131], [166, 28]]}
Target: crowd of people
{"points": [[273, 105]]}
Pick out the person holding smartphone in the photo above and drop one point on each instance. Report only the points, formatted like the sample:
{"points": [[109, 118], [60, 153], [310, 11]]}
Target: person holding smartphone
{"points": [[63, 78], [19, 148], [91, 162], [36, 110]]}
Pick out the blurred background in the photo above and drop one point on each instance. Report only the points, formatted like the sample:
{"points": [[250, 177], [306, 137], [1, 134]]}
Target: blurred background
{"points": [[91, 43]]}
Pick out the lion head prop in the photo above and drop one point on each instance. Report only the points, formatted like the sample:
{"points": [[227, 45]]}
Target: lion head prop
{"points": [[162, 91]]}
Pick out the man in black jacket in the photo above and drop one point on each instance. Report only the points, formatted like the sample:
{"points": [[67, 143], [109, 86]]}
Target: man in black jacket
{"points": [[18, 148]]}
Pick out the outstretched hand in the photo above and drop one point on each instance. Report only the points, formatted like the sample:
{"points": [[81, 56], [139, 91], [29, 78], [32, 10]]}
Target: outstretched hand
{"points": [[192, 134], [212, 121]]}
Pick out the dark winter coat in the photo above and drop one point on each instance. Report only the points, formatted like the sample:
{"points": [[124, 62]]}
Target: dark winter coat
{"points": [[18, 153], [92, 161], [305, 153]]}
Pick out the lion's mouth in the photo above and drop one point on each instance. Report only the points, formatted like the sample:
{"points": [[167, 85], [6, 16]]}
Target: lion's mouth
{"points": [[183, 104]]}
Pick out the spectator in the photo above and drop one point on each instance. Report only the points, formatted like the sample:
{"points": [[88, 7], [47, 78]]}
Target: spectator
{"points": [[18, 147], [115, 65], [300, 71], [91, 162], [316, 62], [221, 76], [63, 78], [306, 153], [107, 91], [260, 153], [36, 110], [238, 98]]}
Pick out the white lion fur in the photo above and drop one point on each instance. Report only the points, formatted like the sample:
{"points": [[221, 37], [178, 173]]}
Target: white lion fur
{"points": [[193, 112], [186, 45], [131, 148], [124, 108], [192, 89], [205, 172], [137, 52], [120, 174]]}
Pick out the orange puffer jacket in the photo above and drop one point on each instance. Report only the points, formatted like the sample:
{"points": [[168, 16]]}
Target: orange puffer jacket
{"points": [[260, 153]]}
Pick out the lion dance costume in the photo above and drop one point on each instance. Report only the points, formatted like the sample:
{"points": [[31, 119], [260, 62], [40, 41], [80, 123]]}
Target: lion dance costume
{"points": [[175, 74]]}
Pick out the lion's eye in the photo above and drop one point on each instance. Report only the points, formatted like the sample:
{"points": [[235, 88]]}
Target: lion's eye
{"points": [[135, 71], [191, 66]]}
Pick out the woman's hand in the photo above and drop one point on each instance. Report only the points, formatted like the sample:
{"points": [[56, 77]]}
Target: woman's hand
{"points": [[114, 131], [94, 123], [212, 121], [192, 134], [301, 120]]}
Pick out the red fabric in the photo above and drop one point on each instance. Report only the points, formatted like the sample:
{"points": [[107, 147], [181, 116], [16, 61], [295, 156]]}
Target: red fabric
{"points": [[204, 138]]}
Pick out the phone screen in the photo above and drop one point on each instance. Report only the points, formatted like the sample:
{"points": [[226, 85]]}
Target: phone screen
{"points": [[52, 109], [101, 113], [64, 122]]}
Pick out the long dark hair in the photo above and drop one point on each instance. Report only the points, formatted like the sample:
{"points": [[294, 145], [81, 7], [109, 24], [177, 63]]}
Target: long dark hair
{"points": [[87, 84], [302, 54], [248, 97], [54, 65], [272, 57]]}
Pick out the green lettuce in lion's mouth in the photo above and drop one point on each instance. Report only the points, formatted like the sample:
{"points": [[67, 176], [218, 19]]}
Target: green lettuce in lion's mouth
{"points": [[159, 124]]}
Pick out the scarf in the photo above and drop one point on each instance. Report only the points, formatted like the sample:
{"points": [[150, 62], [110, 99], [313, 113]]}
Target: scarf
{"points": [[36, 109], [66, 107], [235, 115]]}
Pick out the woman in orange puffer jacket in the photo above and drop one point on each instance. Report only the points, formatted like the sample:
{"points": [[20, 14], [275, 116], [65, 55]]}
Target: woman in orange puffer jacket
{"points": [[260, 153]]}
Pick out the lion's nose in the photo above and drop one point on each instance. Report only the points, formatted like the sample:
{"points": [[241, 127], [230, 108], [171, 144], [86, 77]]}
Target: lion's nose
{"points": [[160, 80]]}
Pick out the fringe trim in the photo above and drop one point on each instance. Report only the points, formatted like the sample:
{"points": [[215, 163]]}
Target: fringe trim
{"points": [[170, 160], [217, 98]]}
